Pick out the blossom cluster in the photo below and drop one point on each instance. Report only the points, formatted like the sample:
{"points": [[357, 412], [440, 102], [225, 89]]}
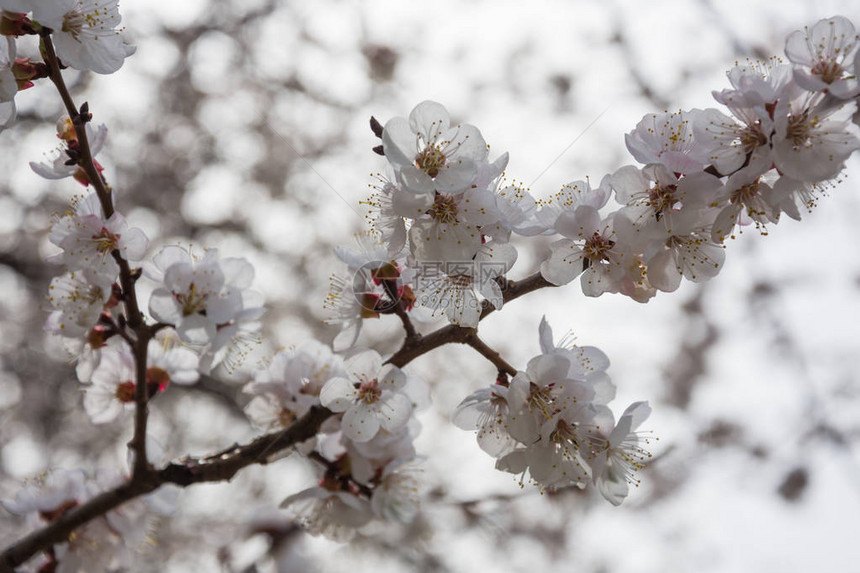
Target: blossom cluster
{"points": [[107, 543], [86, 35], [444, 214], [443, 217], [367, 450], [444, 225], [706, 172], [552, 421]]}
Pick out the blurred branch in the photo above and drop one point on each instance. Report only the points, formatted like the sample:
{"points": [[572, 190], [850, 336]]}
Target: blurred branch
{"points": [[689, 364], [629, 57]]}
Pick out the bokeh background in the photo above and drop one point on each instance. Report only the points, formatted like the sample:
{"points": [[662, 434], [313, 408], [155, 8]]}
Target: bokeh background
{"points": [[243, 125]]}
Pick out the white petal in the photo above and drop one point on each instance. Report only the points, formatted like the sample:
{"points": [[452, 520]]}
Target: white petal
{"points": [[395, 410], [338, 394], [360, 423], [364, 364], [163, 306], [196, 329], [428, 120]]}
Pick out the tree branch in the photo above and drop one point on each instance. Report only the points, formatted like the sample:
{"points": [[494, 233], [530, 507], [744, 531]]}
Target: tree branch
{"points": [[399, 308], [134, 317], [490, 354], [79, 122], [217, 467], [412, 349]]}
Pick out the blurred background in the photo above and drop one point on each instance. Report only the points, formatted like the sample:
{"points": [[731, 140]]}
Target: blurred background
{"points": [[243, 125]]}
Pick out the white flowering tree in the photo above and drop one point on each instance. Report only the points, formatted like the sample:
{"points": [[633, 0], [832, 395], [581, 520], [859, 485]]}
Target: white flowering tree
{"points": [[445, 226]]}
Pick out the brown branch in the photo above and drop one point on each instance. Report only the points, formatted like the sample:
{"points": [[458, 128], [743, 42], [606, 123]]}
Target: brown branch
{"points": [[79, 122], [219, 467], [412, 349], [134, 317], [490, 354], [400, 311], [57, 77], [224, 465], [141, 398], [399, 308]]}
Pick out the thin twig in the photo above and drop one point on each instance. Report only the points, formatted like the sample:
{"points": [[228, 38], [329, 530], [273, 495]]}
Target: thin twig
{"points": [[134, 317], [399, 308], [412, 349], [484, 350]]}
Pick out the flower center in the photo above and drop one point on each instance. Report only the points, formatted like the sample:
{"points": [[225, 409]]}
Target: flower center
{"points": [[73, 22], [597, 248], [444, 209], [369, 392], [565, 440], [541, 399], [93, 295], [106, 241], [799, 129], [193, 301], [745, 194], [125, 392], [430, 160], [829, 70], [662, 199], [625, 458], [460, 281], [753, 137]]}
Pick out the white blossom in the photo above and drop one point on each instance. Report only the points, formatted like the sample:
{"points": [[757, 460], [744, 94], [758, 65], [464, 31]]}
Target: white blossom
{"points": [[812, 138], [78, 299], [654, 196], [101, 545], [571, 196], [397, 495], [290, 385], [8, 83], [429, 154], [203, 296], [732, 141], [616, 458], [60, 166], [668, 138], [333, 514], [824, 57], [746, 198], [590, 249], [370, 398], [486, 410], [85, 33], [113, 381], [452, 286], [88, 239]]}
